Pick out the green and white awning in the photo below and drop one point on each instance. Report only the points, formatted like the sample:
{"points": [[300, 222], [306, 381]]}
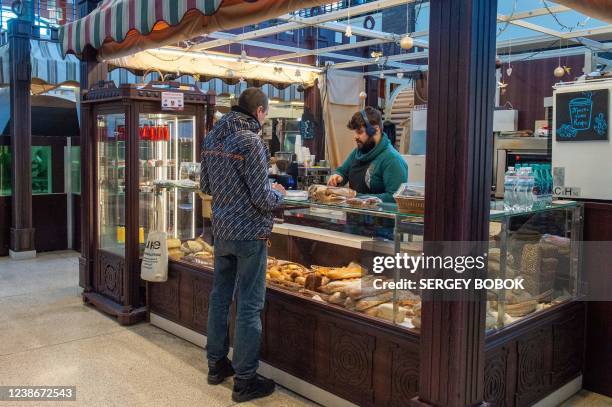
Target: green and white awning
{"points": [[112, 20], [118, 28], [49, 67]]}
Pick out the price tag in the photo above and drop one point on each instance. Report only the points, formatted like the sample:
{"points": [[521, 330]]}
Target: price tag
{"points": [[172, 101]]}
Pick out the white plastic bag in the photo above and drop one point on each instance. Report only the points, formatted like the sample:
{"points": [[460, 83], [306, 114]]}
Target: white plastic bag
{"points": [[154, 266]]}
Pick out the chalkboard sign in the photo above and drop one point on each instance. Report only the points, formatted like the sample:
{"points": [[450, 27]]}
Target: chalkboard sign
{"points": [[582, 116]]}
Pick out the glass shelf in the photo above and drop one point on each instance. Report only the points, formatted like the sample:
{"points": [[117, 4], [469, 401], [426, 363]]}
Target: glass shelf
{"points": [[386, 210], [389, 210]]}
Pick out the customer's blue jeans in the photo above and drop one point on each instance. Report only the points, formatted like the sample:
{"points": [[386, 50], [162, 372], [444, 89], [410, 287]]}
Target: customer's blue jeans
{"points": [[240, 268]]}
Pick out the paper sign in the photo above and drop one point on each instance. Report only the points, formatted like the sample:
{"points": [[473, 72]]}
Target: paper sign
{"points": [[172, 101]]}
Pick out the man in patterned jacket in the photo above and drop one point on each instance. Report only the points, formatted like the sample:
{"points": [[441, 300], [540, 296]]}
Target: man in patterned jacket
{"points": [[235, 163]]}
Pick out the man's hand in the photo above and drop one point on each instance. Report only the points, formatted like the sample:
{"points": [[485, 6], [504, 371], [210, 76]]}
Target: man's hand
{"points": [[279, 188], [335, 180]]}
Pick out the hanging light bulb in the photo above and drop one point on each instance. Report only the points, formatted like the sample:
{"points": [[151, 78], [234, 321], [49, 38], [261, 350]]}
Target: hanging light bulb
{"points": [[362, 95], [400, 75], [559, 72], [407, 42], [243, 57], [349, 31]]}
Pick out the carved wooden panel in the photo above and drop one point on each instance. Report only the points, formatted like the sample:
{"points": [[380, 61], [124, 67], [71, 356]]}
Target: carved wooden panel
{"points": [[201, 295], [110, 270], [164, 297], [351, 356], [568, 338], [290, 340], [533, 375], [495, 383], [404, 376]]}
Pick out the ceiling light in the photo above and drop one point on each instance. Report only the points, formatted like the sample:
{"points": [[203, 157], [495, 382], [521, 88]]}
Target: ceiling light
{"points": [[407, 42], [349, 31]]}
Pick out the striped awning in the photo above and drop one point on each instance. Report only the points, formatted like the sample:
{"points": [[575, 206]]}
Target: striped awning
{"points": [[49, 67], [122, 27]]}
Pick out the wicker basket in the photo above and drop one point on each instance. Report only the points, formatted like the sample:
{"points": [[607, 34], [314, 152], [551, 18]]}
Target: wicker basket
{"points": [[410, 204]]}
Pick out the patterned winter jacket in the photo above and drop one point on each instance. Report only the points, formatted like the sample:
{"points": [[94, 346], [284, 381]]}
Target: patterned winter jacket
{"points": [[235, 163]]}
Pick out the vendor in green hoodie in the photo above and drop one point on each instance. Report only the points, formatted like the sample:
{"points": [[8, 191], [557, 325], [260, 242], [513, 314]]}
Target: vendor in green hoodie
{"points": [[374, 168]]}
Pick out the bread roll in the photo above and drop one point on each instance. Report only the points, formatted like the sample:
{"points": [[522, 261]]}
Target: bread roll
{"points": [[173, 244]]}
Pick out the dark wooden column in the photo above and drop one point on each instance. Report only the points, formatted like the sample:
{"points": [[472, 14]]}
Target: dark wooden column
{"points": [[91, 72], [458, 183], [22, 232]]}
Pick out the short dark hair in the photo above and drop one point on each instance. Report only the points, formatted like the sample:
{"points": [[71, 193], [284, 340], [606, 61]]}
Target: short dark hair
{"points": [[251, 98], [373, 115]]}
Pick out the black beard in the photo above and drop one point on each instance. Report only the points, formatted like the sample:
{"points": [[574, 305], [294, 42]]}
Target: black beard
{"points": [[367, 146]]}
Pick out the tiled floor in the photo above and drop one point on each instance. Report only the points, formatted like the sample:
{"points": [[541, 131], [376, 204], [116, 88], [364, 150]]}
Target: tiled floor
{"points": [[48, 337]]}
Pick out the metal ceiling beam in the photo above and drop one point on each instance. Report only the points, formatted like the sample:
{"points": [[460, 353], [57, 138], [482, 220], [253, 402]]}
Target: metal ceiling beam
{"points": [[416, 68], [574, 36], [385, 60], [359, 61], [320, 51], [537, 12], [279, 47], [295, 22]]}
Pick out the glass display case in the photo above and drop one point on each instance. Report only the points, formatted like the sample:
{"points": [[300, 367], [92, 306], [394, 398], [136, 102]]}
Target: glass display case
{"points": [[143, 180], [111, 182], [334, 254], [541, 248], [167, 178]]}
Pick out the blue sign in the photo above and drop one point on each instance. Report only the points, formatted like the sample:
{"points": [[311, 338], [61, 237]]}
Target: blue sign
{"points": [[582, 116]]}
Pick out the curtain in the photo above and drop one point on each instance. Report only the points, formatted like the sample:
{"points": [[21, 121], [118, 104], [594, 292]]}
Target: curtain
{"points": [[340, 99]]}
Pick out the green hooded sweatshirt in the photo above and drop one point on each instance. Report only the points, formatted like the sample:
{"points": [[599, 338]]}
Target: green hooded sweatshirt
{"points": [[387, 170]]}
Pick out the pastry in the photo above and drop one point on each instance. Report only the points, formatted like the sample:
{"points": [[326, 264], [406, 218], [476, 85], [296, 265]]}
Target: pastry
{"points": [[386, 311], [369, 302], [363, 290], [353, 270], [175, 253], [373, 312], [300, 280], [339, 285], [313, 281], [337, 298], [173, 243]]}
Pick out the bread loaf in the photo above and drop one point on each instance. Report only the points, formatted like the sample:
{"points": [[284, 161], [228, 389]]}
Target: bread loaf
{"points": [[369, 302]]}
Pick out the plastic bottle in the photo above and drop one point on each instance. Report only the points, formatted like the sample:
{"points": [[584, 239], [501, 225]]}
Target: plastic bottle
{"points": [[510, 179], [530, 195], [538, 186], [523, 193]]}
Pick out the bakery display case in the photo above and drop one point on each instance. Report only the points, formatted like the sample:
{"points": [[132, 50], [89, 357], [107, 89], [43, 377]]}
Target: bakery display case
{"points": [[143, 179], [541, 248], [328, 252], [321, 300]]}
